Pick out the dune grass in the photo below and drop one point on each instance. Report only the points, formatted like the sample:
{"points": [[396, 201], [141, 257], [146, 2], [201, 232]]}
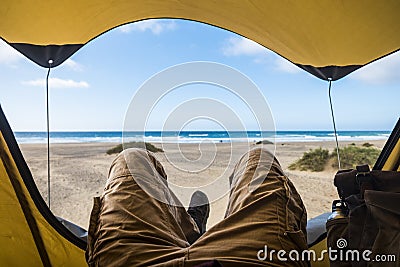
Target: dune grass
{"points": [[350, 156], [313, 160], [120, 147]]}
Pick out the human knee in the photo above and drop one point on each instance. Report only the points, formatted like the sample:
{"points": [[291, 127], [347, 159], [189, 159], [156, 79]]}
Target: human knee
{"points": [[134, 152], [262, 151], [135, 157], [128, 153], [122, 163], [259, 154]]}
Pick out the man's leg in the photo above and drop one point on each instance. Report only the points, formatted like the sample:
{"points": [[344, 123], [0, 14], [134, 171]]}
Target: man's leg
{"points": [[259, 222], [128, 226]]}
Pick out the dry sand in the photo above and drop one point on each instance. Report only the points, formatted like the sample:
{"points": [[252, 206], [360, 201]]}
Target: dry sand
{"points": [[79, 172]]}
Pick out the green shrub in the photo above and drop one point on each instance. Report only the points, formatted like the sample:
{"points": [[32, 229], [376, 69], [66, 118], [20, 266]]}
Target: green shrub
{"points": [[120, 147], [313, 160], [351, 156]]}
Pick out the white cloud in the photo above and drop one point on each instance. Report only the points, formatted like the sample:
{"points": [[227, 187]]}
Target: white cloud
{"points": [[57, 83], [153, 25], [237, 46], [73, 65], [383, 71], [284, 65], [8, 55]]}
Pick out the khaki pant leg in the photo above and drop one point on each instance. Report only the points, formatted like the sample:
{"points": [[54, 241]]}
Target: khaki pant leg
{"points": [[268, 217], [129, 227]]}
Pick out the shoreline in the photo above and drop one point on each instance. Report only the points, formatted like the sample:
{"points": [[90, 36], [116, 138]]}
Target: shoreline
{"points": [[212, 141], [200, 136], [79, 172]]}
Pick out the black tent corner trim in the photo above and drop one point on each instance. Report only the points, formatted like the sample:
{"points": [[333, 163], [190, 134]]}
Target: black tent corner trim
{"points": [[388, 148], [41, 54], [31, 186], [329, 72]]}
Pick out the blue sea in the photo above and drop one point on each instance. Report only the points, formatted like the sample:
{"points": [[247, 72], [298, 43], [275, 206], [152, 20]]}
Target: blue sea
{"points": [[198, 136]]}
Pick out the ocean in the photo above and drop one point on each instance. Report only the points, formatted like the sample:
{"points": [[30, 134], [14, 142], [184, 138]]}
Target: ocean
{"points": [[198, 136]]}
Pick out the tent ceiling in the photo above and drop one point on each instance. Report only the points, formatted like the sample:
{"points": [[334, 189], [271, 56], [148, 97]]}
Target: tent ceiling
{"points": [[329, 39]]}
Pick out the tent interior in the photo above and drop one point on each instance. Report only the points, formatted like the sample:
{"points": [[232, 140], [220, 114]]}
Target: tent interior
{"points": [[359, 33]]}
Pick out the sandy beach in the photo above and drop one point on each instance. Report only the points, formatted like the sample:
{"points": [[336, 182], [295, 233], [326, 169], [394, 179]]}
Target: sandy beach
{"points": [[79, 172]]}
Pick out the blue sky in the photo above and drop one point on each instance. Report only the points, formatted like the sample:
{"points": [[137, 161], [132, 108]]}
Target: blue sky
{"points": [[92, 90]]}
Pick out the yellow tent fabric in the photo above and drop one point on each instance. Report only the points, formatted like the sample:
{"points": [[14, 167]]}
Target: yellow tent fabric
{"points": [[30, 235], [329, 39]]}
